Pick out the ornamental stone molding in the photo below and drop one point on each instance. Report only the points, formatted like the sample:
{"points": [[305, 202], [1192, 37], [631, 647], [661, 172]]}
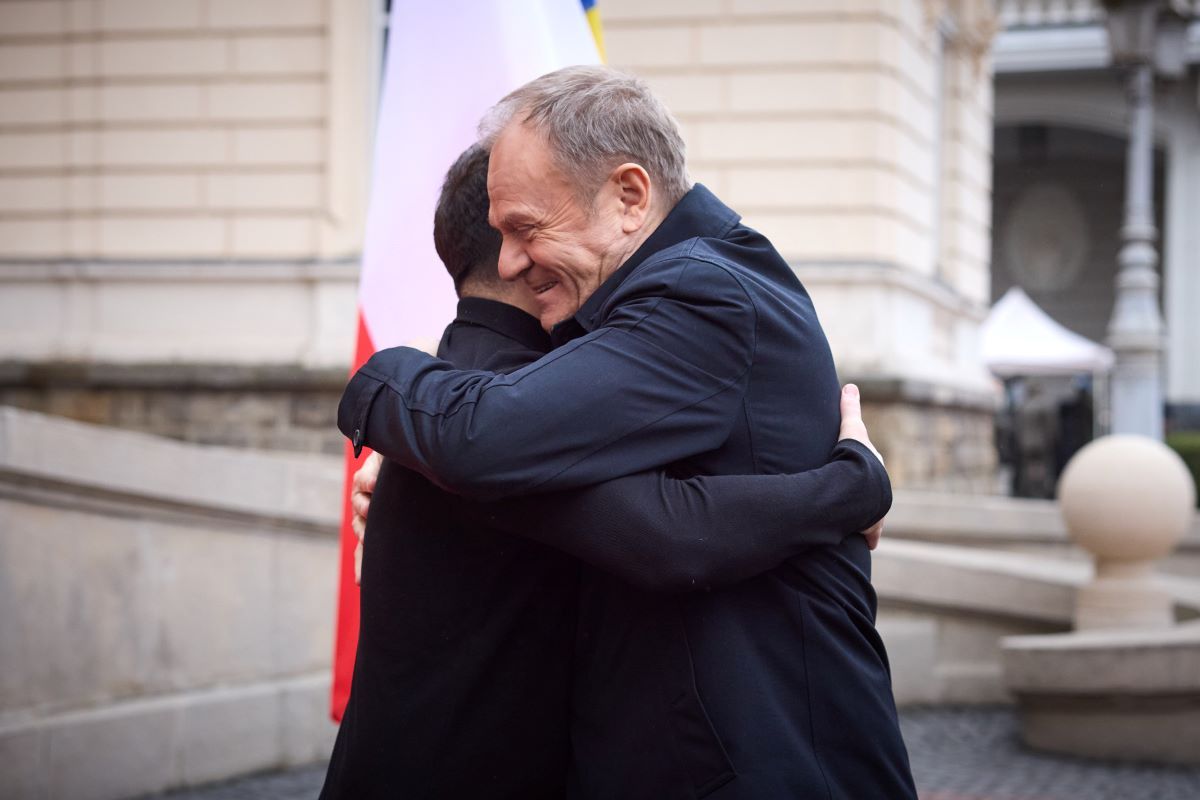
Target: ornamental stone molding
{"points": [[970, 26], [1046, 238]]}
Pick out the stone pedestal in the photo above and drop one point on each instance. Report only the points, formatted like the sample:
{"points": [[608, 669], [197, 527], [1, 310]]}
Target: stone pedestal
{"points": [[1126, 684], [1123, 596], [1115, 695]]}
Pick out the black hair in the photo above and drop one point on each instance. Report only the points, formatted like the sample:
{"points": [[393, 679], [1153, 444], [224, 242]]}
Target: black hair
{"points": [[466, 243]]}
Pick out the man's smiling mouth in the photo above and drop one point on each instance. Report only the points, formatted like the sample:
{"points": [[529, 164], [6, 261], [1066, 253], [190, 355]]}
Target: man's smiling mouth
{"points": [[544, 287]]}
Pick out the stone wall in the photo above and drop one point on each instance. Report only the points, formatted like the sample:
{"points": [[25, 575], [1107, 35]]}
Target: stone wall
{"points": [[943, 446], [168, 610], [263, 408], [197, 129], [183, 181]]}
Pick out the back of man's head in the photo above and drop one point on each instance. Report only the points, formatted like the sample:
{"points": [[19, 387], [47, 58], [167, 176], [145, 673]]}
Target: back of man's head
{"points": [[464, 240], [594, 119]]}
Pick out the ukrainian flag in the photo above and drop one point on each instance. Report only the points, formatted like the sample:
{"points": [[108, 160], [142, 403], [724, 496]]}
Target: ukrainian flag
{"points": [[593, 18]]}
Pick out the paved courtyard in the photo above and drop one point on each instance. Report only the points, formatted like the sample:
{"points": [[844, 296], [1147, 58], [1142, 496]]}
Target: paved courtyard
{"points": [[957, 754]]}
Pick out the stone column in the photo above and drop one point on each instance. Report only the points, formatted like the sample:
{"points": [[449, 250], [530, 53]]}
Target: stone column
{"points": [[1136, 330], [1181, 249]]}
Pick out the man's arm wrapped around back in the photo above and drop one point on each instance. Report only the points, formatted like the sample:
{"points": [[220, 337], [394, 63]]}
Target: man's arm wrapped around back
{"points": [[661, 379], [676, 535]]}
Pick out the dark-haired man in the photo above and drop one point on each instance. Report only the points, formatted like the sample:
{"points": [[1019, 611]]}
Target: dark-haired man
{"points": [[462, 683]]}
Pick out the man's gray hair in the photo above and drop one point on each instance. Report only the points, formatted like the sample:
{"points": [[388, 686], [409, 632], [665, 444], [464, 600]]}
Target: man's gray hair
{"points": [[596, 118]]}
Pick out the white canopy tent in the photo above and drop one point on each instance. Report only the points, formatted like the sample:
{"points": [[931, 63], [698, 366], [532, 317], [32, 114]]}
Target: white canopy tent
{"points": [[1019, 338]]}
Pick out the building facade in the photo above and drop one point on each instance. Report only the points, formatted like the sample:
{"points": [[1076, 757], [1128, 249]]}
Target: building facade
{"points": [[182, 198], [182, 187], [1061, 138]]}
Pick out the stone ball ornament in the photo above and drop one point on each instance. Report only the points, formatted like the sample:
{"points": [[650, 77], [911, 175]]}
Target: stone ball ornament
{"points": [[1127, 498]]}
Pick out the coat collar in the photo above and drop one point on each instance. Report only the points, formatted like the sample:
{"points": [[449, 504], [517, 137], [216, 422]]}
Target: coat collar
{"points": [[504, 319], [698, 214]]}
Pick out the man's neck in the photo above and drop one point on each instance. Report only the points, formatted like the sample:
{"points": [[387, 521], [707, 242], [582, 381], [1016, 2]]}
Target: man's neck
{"points": [[501, 293]]}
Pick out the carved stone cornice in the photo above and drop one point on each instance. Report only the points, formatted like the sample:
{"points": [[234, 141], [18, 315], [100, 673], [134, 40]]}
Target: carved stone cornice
{"points": [[970, 26]]}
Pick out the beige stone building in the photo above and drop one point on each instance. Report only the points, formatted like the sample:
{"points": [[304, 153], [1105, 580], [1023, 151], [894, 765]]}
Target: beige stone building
{"points": [[182, 198], [182, 191], [182, 188]]}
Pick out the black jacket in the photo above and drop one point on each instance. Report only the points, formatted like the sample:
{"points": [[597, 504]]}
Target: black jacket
{"points": [[463, 664], [461, 677], [702, 352]]}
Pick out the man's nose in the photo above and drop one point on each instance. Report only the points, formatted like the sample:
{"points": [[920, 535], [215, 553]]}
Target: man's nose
{"points": [[513, 259]]}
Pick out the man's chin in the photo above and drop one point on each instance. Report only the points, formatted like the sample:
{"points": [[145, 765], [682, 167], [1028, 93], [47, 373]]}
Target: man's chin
{"points": [[554, 306], [548, 321], [553, 315]]}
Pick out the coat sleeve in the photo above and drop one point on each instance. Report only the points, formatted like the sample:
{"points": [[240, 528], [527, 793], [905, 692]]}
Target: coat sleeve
{"points": [[660, 380], [670, 535]]}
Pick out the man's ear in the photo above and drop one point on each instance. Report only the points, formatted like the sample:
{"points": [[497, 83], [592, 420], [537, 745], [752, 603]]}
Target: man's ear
{"points": [[632, 183]]}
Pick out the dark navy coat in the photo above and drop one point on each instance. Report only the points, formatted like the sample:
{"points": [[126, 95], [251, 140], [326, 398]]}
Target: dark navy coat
{"points": [[702, 352]]}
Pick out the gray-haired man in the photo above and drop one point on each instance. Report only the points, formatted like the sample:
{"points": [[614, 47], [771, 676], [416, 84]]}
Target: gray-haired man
{"points": [[683, 341]]}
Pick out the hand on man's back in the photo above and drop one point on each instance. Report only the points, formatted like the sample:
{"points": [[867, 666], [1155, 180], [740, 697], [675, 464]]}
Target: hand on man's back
{"points": [[362, 486], [854, 428]]}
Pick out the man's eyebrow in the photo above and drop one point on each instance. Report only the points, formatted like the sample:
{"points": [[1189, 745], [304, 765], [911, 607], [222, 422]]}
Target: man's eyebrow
{"points": [[511, 220]]}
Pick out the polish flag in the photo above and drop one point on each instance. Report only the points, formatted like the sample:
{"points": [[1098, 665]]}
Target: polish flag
{"points": [[447, 62]]}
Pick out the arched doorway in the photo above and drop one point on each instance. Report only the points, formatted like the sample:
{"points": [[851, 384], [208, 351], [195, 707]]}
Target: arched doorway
{"points": [[1058, 196]]}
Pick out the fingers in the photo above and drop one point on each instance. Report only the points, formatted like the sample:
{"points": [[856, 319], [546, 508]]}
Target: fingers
{"points": [[852, 415], [368, 474], [853, 426], [360, 504], [852, 423], [363, 485], [851, 403], [364, 481], [874, 534]]}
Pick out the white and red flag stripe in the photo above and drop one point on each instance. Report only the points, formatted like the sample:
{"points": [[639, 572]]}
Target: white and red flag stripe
{"points": [[447, 62]]}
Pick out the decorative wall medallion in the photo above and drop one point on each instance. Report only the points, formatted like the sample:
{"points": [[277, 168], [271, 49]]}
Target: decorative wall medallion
{"points": [[1046, 238]]}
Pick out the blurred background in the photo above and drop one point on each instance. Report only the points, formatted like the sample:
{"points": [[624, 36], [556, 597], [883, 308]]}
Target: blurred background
{"points": [[183, 188]]}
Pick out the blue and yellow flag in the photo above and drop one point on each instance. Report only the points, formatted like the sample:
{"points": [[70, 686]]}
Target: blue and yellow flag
{"points": [[593, 18]]}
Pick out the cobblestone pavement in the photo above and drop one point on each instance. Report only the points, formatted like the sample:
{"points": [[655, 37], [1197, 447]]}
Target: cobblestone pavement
{"points": [[957, 754], [975, 754]]}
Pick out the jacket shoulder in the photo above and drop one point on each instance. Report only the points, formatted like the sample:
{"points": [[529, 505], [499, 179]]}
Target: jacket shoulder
{"points": [[690, 270]]}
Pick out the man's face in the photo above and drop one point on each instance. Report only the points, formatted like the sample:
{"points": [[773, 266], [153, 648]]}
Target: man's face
{"points": [[557, 246]]}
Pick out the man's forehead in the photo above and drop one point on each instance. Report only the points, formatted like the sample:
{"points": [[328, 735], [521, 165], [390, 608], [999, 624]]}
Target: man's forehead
{"points": [[521, 152], [512, 152], [522, 175]]}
